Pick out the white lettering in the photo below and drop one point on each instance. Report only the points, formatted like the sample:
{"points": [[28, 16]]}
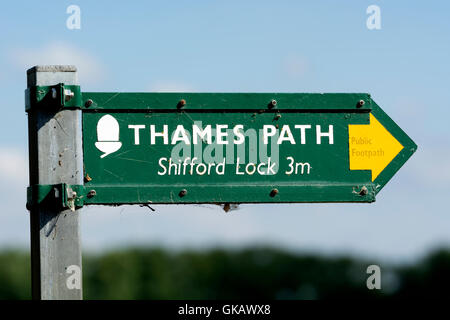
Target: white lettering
{"points": [[328, 134], [164, 134], [136, 128]]}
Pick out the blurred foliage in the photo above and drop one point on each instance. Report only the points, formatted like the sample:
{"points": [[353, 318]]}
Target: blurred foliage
{"points": [[15, 277], [254, 273]]}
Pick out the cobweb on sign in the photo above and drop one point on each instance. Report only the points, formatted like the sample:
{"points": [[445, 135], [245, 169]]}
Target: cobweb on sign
{"points": [[227, 207]]}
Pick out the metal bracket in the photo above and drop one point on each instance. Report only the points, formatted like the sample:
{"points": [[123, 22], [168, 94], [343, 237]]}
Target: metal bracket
{"points": [[62, 195], [54, 98]]}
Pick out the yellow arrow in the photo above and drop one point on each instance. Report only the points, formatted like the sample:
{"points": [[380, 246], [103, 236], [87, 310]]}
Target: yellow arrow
{"points": [[371, 147]]}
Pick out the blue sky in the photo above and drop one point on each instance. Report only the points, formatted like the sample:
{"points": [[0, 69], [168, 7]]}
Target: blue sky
{"points": [[247, 46]]}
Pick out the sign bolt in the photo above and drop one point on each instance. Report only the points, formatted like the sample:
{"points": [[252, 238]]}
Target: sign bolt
{"points": [[68, 94], [274, 192], [182, 193], [88, 103], [272, 104], [360, 103], [363, 191], [91, 193], [181, 103]]}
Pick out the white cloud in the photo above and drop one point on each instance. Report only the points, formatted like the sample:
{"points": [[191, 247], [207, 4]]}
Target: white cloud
{"points": [[170, 86], [14, 218], [90, 70], [13, 167]]}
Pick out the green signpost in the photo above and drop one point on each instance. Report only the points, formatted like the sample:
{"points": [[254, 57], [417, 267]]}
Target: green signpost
{"points": [[144, 148], [237, 147]]}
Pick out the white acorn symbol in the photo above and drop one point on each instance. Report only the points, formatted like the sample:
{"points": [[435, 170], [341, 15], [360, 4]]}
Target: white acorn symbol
{"points": [[108, 135]]}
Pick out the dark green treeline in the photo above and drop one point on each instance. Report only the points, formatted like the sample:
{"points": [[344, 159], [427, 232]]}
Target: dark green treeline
{"points": [[254, 273]]}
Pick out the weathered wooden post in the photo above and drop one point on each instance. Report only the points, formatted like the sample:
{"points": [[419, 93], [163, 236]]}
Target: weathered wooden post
{"points": [[56, 172]]}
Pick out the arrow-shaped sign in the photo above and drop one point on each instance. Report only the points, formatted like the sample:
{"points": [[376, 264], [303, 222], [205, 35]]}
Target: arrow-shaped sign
{"points": [[238, 147]]}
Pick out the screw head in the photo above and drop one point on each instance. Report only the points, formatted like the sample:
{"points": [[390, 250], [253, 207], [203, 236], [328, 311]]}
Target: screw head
{"points": [[360, 103], [88, 103], [68, 94], [364, 191], [71, 195], [181, 103], [91, 193], [274, 192], [273, 103], [182, 193]]}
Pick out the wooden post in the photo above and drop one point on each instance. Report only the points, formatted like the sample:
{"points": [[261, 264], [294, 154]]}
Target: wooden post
{"points": [[55, 156]]}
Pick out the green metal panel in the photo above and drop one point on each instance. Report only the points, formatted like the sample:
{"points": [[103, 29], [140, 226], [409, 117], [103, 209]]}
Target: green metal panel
{"points": [[297, 102], [130, 174]]}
